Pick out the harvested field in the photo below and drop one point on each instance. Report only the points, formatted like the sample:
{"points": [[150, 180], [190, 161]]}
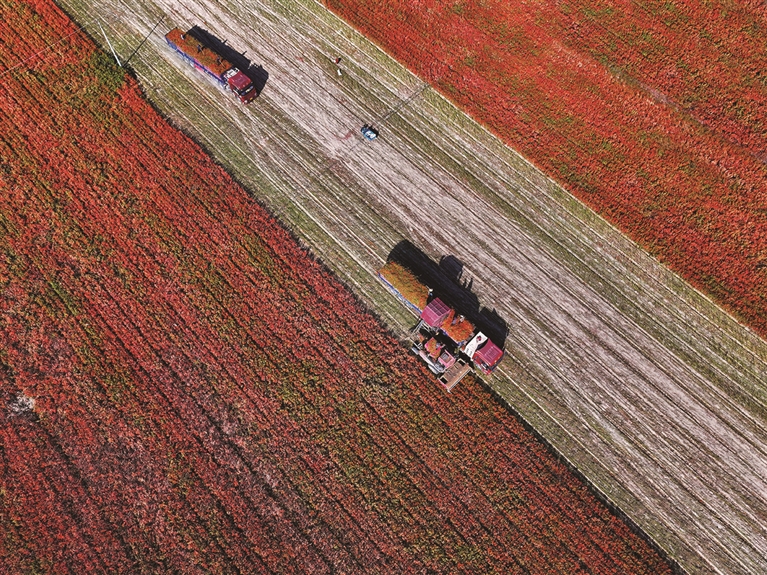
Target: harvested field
{"points": [[651, 390]]}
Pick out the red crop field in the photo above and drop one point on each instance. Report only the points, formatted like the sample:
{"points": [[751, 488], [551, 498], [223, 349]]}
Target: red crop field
{"points": [[184, 389], [653, 113]]}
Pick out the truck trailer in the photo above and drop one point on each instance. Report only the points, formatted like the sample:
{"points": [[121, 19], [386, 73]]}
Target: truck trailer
{"points": [[194, 50]]}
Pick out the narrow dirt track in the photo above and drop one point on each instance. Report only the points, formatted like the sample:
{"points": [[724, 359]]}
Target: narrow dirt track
{"points": [[650, 390]]}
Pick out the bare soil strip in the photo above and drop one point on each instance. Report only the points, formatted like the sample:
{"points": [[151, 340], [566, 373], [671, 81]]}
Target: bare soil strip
{"points": [[654, 393]]}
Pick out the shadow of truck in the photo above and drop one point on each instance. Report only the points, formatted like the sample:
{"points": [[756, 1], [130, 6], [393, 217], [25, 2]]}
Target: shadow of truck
{"points": [[257, 74]]}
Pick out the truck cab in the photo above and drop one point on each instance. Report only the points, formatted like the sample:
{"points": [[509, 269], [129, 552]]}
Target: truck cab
{"points": [[484, 353], [241, 85]]}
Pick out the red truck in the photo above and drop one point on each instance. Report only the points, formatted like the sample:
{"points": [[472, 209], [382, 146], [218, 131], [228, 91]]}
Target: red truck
{"points": [[207, 60]]}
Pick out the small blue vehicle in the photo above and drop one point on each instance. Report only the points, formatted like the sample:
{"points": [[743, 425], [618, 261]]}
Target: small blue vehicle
{"points": [[369, 132]]}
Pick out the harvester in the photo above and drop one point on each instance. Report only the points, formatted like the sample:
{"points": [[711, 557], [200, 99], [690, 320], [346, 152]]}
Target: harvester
{"points": [[446, 341]]}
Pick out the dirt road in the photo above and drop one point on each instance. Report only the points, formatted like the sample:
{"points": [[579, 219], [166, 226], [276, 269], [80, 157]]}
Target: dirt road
{"points": [[650, 390]]}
